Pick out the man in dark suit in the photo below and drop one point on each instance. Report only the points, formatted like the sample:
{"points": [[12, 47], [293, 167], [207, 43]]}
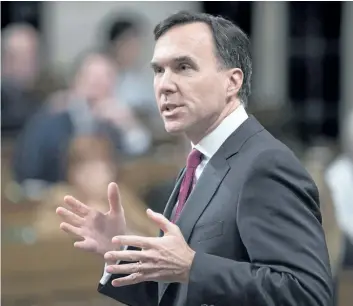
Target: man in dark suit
{"points": [[243, 224], [41, 150]]}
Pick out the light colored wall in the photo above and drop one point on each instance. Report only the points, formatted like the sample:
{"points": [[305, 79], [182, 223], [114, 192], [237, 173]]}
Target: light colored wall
{"points": [[346, 103], [71, 27], [269, 42]]}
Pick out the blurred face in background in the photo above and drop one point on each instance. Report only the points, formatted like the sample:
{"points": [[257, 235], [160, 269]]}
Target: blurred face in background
{"points": [[20, 55], [96, 78], [126, 49], [192, 92], [91, 166], [92, 177]]}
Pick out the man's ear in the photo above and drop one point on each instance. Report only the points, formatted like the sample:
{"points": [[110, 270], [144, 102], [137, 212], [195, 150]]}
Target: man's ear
{"points": [[235, 81]]}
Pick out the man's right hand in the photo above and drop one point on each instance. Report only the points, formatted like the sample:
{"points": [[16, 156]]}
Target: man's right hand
{"points": [[94, 229]]}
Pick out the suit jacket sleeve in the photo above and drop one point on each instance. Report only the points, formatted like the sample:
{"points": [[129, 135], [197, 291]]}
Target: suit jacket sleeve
{"points": [[134, 295], [145, 293], [279, 222]]}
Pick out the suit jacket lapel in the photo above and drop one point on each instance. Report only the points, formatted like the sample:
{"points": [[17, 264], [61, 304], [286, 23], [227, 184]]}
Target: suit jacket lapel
{"points": [[174, 196], [208, 183], [168, 212], [198, 200]]}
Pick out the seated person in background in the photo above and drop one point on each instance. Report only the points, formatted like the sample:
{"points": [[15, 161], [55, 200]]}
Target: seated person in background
{"points": [[20, 65], [25, 78], [41, 151], [124, 42], [315, 162], [339, 177], [91, 166]]}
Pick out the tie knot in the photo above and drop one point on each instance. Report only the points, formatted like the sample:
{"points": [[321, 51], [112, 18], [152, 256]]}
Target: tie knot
{"points": [[194, 159]]}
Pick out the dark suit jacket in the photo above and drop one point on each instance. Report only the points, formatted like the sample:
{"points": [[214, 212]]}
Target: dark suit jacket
{"points": [[42, 148], [255, 224]]}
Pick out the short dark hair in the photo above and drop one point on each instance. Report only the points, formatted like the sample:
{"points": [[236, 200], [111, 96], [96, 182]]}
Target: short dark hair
{"points": [[231, 43], [121, 26]]}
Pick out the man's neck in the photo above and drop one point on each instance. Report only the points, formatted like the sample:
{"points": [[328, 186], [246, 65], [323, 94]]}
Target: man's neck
{"points": [[195, 136]]}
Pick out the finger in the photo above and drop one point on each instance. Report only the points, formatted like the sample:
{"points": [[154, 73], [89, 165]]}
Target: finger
{"points": [[130, 268], [85, 245], [69, 216], [134, 241], [163, 223], [114, 198], [126, 255], [153, 276], [131, 279], [70, 229], [134, 278], [77, 206]]}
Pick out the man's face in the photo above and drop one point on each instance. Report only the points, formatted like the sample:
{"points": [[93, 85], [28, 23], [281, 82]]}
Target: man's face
{"points": [[21, 57], [127, 50], [95, 81], [190, 89]]}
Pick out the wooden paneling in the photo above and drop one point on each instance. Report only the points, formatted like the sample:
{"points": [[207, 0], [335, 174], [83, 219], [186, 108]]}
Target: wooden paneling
{"points": [[346, 288]]}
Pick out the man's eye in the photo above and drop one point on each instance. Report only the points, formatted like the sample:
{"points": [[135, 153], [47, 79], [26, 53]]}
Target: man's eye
{"points": [[158, 70], [184, 67]]}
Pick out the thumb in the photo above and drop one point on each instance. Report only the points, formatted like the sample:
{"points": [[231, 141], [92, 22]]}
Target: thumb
{"points": [[114, 198], [163, 223]]}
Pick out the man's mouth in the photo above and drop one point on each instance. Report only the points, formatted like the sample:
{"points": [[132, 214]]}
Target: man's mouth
{"points": [[170, 109]]}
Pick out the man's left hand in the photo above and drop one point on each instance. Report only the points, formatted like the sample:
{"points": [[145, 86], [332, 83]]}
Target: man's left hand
{"points": [[166, 259]]}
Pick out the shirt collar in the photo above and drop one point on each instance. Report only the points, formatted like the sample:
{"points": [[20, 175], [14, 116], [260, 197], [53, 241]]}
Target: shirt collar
{"points": [[210, 144]]}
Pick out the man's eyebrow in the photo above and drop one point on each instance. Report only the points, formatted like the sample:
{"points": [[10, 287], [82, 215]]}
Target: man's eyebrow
{"points": [[184, 58], [178, 59], [155, 65]]}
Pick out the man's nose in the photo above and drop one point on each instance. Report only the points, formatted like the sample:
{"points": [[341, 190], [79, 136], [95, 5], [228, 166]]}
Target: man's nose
{"points": [[168, 83]]}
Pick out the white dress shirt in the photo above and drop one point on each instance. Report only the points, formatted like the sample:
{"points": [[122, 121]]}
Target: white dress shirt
{"points": [[208, 146]]}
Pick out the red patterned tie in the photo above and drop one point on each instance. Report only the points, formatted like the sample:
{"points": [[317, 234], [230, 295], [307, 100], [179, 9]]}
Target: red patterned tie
{"points": [[194, 159]]}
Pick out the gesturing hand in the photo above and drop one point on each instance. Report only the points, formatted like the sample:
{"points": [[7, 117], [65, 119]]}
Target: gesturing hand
{"points": [[166, 258], [94, 229]]}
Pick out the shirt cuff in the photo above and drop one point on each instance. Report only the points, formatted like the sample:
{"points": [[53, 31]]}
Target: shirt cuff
{"points": [[106, 276]]}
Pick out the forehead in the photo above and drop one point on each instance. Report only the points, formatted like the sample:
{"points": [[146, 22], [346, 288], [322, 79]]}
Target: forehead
{"points": [[95, 67], [194, 40]]}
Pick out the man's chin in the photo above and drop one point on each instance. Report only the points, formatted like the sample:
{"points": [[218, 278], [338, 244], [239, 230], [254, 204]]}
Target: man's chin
{"points": [[174, 129]]}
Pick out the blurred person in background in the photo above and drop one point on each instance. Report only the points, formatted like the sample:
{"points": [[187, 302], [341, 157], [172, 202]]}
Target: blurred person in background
{"points": [[92, 163], [89, 107], [339, 177], [316, 160], [124, 42], [25, 82], [19, 70], [243, 224]]}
